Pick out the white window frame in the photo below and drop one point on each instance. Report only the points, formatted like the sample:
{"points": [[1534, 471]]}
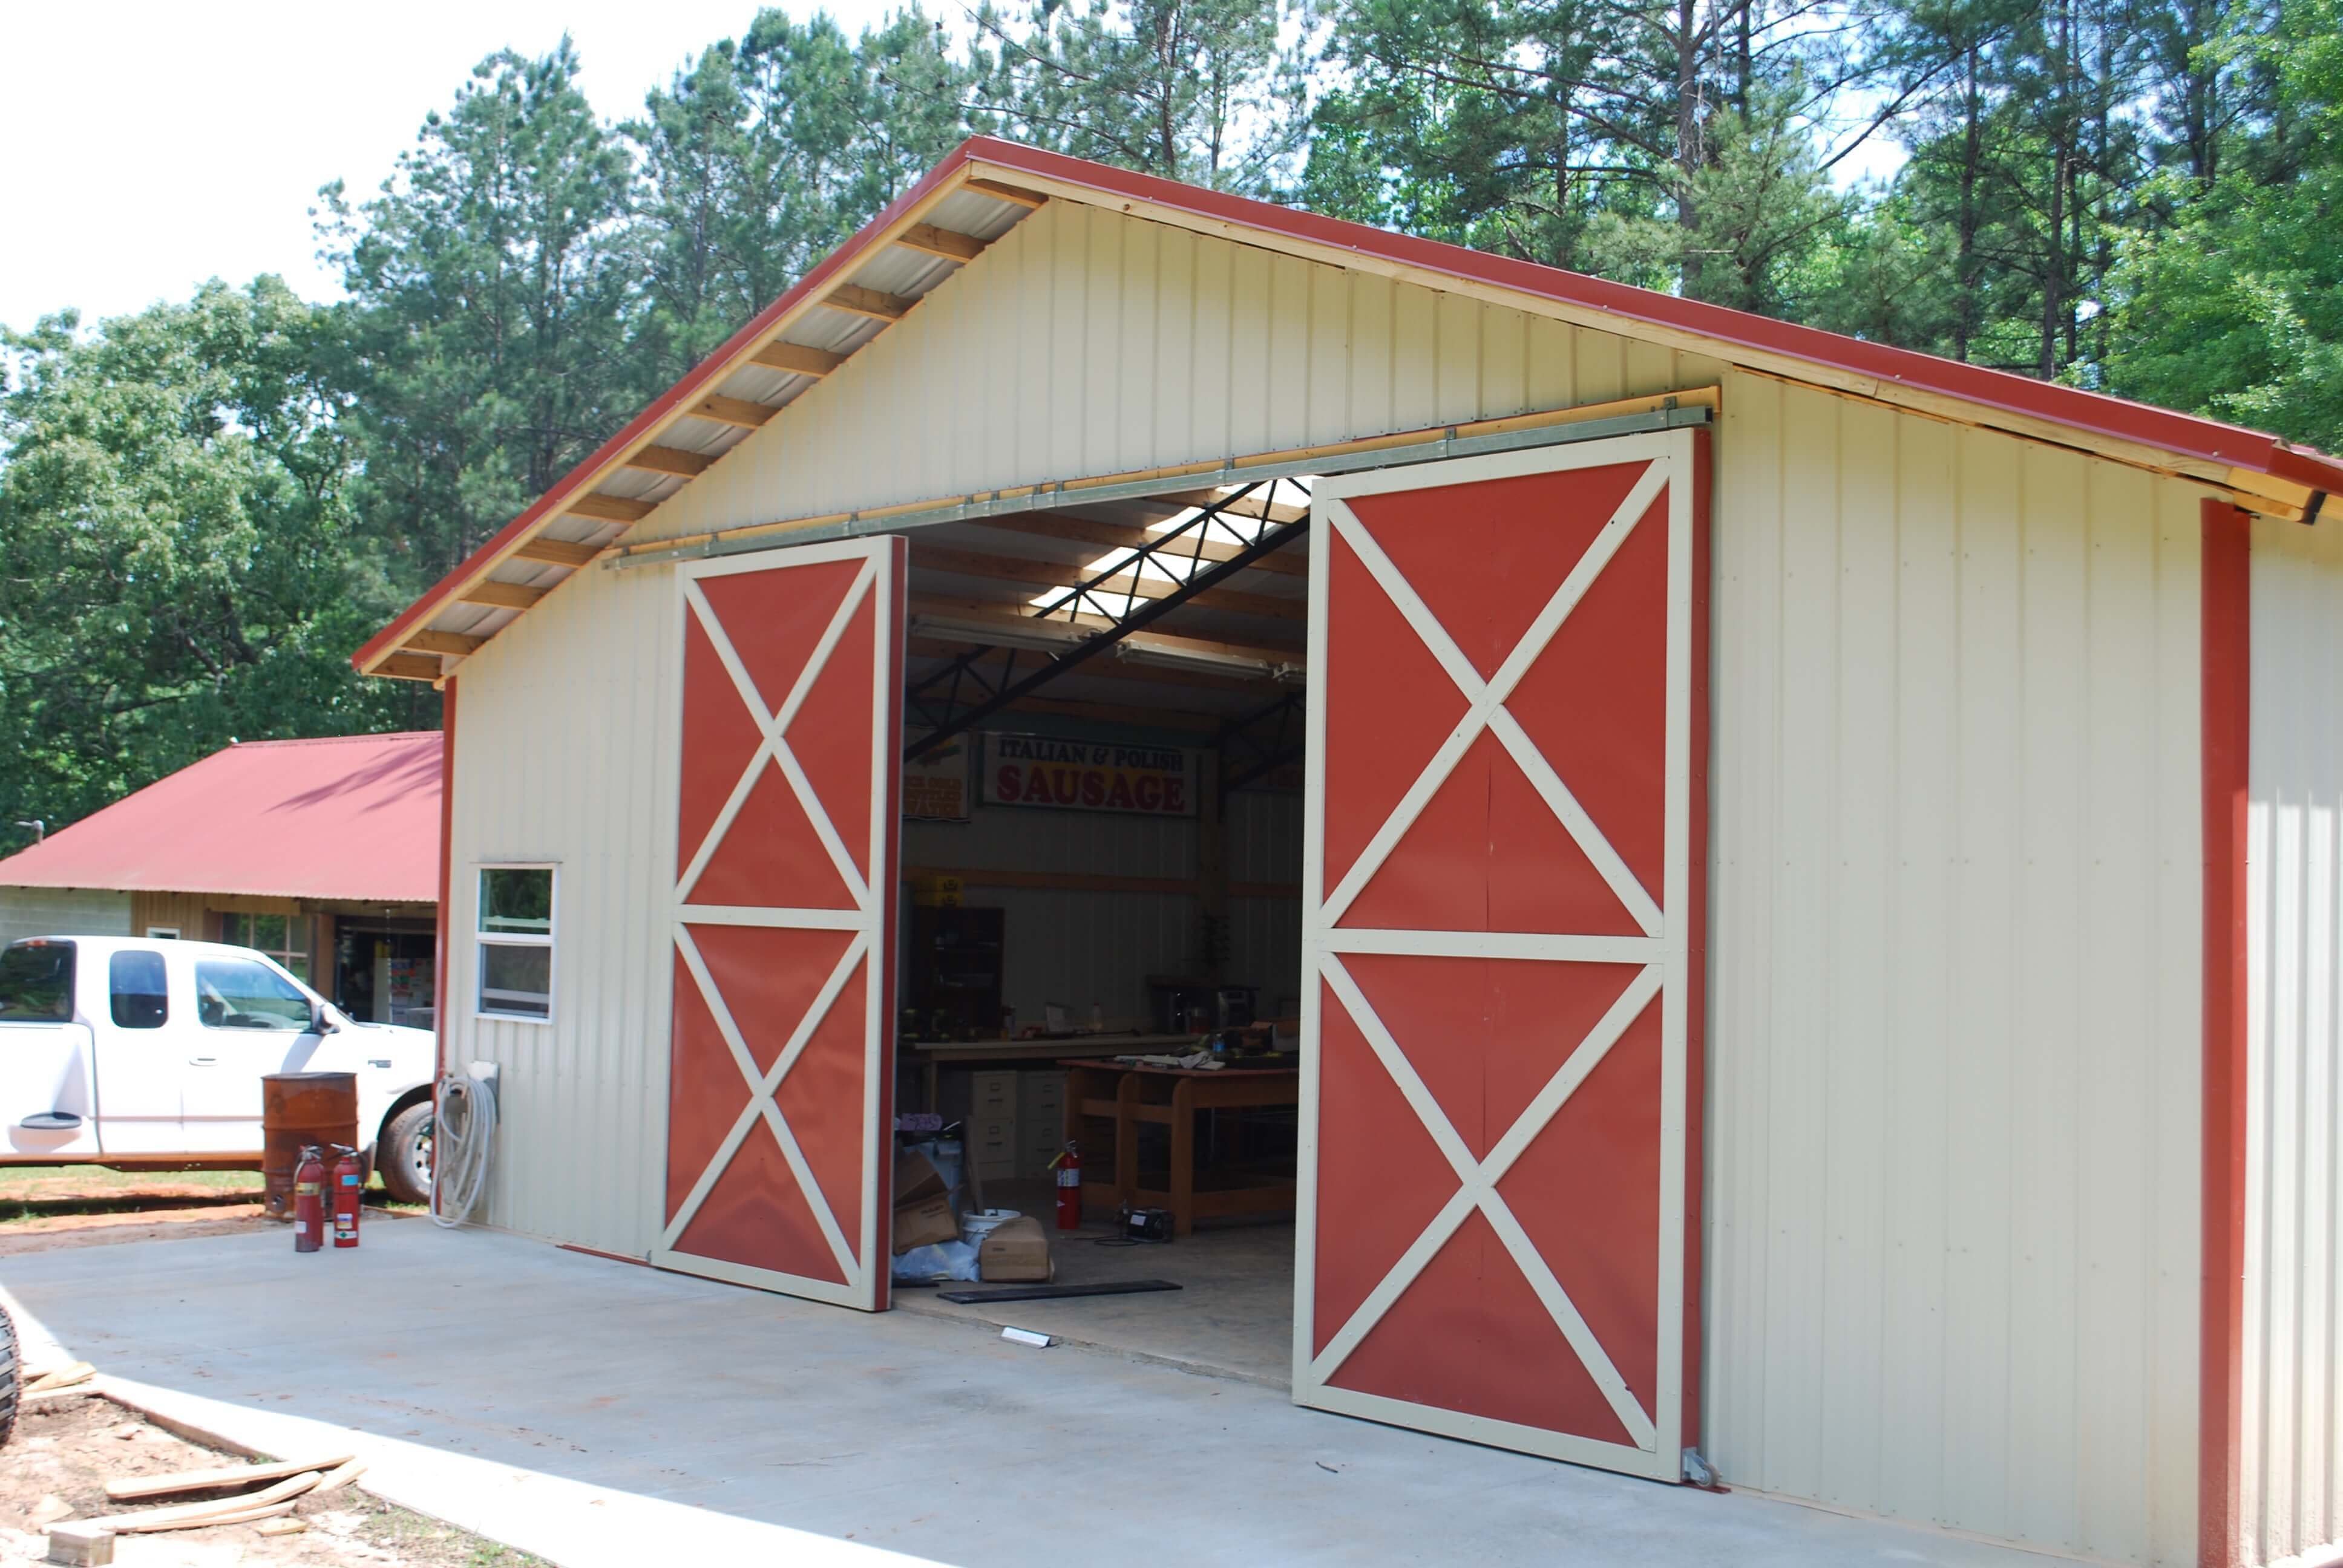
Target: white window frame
{"points": [[163, 933], [482, 939], [282, 957]]}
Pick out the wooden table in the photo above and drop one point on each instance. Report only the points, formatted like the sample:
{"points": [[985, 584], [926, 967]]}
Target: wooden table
{"points": [[935, 1055], [1128, 1094]]}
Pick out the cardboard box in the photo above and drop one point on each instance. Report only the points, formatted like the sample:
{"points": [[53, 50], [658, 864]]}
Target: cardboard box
{"points": [[924, 1211], [1017, 1252], [925, 1222]]}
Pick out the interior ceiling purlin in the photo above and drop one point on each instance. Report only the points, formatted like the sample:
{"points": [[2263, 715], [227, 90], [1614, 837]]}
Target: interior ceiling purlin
{"points": [[945, 702], [691, 426]]}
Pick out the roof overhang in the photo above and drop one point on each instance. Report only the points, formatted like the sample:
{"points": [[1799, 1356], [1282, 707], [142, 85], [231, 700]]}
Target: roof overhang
{"points": [[986, 186]]}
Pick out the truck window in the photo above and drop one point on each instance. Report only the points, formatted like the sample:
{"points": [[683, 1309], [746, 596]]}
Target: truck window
{"points": [[134, 981], [36, 981], [237, 993]]}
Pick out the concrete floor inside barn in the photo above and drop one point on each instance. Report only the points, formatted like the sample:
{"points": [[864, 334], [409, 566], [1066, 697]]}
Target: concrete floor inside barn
{"points": [[577, 1407]]}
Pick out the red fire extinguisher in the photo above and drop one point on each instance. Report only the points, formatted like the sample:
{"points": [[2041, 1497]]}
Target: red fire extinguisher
{"points": [[309, 1201], [1069, 1167], [349, 1185]]}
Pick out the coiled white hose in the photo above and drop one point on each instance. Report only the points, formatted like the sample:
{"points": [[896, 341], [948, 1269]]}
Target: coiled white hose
{"points": [[463, 1128]]}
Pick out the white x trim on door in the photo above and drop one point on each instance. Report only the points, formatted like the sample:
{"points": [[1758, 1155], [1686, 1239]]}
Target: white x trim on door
{"points": [[859, 1258], [1652, 1418]]}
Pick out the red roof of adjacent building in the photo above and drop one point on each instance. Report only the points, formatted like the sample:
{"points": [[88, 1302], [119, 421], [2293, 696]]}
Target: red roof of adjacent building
{"points": [[352, 817]]}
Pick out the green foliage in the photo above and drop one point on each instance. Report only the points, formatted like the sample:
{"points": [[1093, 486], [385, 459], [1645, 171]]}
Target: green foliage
{"points": [[1211, 92], [175, 549], [483, 348]]}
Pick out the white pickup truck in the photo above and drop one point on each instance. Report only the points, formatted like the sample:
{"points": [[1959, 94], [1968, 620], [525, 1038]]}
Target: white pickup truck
{"points": [[148, 1054]]}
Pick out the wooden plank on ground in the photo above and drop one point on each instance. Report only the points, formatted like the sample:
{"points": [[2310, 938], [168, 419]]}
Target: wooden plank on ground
{"points": [[139, 1487]]}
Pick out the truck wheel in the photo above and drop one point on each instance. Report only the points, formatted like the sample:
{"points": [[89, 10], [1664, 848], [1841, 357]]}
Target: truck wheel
{"points": [[9, 1378], [404, 1154]]}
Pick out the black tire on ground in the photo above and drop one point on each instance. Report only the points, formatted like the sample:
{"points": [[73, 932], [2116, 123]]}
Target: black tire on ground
{"points": [[404, 1154], [9, 1368]]}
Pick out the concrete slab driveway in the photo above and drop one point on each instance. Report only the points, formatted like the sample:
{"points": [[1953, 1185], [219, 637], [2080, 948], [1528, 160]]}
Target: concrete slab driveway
{"points": [[496, 1357]]}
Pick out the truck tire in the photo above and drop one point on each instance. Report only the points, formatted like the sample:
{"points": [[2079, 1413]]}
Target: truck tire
{"points": [[403, 1154], [9, 1368]]}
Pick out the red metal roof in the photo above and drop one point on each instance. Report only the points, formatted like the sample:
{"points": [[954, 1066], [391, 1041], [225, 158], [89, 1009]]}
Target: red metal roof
{"points": [[2183, 435], [353, 816]]}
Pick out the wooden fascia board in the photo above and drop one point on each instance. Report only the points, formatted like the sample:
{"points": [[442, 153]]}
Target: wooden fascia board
{"points": [[739, 412], [950, 244], [604, 508], [857, 301], [504, 595], [407, 666], [455, 644], [556, 552], [916, 214], [1779, 366], [672, 461]]}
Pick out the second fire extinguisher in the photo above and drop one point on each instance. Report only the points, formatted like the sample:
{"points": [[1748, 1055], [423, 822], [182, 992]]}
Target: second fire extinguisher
{"points": [[309, 1201], [1069, 1167], [349, 1186]]}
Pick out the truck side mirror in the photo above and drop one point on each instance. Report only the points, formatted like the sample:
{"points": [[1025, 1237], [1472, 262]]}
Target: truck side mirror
{"points": [[320, 1022]]}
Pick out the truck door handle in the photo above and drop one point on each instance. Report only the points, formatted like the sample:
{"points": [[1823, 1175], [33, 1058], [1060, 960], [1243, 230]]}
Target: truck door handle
{"points": [[202, 1061]]}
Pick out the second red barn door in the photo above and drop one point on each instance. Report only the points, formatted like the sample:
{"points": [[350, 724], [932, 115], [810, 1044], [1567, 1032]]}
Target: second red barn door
{"points": [[1501, 936], [779, 1074]]}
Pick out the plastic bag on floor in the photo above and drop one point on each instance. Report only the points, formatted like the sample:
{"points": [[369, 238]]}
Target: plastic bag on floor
{"points": [[943, 1261]]}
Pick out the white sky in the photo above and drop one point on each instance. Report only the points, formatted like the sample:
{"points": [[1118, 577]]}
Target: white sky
{"points": [[158, 145]]}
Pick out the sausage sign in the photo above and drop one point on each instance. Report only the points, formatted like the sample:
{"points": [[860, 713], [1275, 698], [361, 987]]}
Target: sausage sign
{"points": [[1089, 776]]}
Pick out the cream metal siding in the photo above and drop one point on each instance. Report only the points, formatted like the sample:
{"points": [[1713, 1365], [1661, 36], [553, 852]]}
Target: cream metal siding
{"points": [[566, 732], [1086, 342], [1954, 1009], [1951, 1120], [2293, 1460], [63, 912]]}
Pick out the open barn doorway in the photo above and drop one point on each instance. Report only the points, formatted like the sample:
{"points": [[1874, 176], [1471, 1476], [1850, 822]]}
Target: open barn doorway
{"points": [[1105, 709]]}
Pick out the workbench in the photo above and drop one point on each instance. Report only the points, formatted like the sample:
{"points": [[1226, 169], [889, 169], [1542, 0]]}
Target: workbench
{"points": [[935, 1055], [1128, 1094]]}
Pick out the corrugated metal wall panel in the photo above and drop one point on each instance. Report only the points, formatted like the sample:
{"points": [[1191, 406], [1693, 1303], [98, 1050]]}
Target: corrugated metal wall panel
{"points": [[565, 745], [2292, 1468], [1085, 342], [1953, 1036]]}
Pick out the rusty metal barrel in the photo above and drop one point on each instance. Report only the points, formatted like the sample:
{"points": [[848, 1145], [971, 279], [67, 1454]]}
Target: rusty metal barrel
{"points": [[297, 1109]]}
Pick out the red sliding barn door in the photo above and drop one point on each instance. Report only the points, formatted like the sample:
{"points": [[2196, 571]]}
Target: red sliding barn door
{"points": [[1502, 891], [780, 1067]]}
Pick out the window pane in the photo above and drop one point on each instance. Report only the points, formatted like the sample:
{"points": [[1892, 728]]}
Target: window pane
{"points": [[235, 931], [237, 993], [37, 982], [516, 979], [268, 933], [135, 982], [518, 901]]}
